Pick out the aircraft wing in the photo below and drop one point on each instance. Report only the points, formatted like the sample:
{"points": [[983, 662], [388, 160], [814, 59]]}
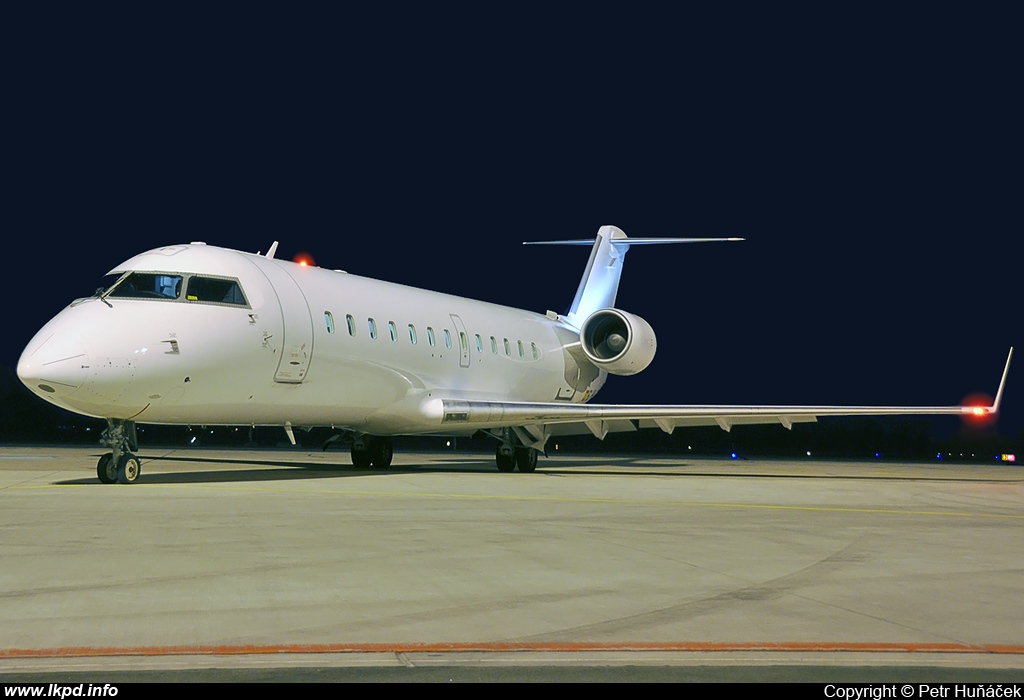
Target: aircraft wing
{"points": [[535, 422]]}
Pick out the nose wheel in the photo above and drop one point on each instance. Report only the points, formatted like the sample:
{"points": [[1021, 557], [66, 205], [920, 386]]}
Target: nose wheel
{"points": [[119, 465], [128, 469], [106, 469]]}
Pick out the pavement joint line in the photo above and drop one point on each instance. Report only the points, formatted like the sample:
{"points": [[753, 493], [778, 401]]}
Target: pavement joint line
{"points": [[551, 499], [400, 649]]}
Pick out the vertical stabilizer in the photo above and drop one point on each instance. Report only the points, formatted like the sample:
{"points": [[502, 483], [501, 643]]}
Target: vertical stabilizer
{"points": [[600, 281]]}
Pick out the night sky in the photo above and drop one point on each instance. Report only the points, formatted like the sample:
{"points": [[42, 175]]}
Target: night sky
{"points": [[873, 165]]}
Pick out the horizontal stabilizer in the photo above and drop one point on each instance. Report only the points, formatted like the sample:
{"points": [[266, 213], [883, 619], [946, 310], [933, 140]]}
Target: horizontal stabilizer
{"points": [[635, 241], [600, 282]]}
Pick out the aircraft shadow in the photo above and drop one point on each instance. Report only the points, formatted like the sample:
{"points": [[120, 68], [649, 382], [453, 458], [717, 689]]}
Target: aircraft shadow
{"points": [[278, 470], [268, 470]]}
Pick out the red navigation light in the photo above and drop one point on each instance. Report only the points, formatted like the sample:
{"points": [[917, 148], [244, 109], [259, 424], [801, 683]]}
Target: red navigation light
{"points": [[979, 415]]}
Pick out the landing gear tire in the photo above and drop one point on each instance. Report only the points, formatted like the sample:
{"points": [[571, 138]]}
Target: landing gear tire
{"points": [[360, 458], [106, 470], [128, 469], [382, 451], [505, 462], [526, 459]]}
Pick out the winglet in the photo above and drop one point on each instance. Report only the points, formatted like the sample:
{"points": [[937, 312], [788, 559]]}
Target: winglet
{"points": [[994, 408], [1002, 383]]}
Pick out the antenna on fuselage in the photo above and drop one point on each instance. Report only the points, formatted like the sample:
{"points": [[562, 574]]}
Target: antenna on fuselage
{"points": [[273, 249]]}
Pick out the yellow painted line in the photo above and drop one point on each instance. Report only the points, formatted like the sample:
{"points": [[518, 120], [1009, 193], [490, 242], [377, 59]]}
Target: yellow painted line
{"points": [[545, 499], [574, 647]]}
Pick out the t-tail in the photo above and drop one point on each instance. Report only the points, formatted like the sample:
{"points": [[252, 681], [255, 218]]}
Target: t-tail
{"points": [[600, 282]]}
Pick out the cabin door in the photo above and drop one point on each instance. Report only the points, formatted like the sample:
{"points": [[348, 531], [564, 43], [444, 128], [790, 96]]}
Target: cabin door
{"points": [[463, 341], [297, 346]]}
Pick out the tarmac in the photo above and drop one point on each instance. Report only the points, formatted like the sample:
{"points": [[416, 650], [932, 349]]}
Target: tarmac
{"points": [[294, 565]]}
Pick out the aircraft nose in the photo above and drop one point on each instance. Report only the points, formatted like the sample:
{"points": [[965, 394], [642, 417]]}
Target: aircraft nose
{"points": [[53, 366]]}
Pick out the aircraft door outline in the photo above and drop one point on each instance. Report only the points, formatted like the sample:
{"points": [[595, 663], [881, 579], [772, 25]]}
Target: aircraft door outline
{"points": [[297, 346], [460, 328]]}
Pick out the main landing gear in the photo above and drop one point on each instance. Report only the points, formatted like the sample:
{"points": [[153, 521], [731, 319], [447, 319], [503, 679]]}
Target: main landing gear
{"points": [[372, 450], [377, 452], [119, 465], [511, 454]]}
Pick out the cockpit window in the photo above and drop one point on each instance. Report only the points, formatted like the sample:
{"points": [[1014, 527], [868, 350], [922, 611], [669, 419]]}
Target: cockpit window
{"points": [[168, 287], [214, 290], [147, 285]]}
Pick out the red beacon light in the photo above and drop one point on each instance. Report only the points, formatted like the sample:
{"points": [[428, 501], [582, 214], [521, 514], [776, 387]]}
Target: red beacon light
{"points": [[304, 260]]}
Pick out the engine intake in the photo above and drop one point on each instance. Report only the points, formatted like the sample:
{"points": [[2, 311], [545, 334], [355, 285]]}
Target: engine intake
{"points": [[618, 342]]}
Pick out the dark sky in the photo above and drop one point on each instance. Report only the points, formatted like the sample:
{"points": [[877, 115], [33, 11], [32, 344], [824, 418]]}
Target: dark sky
{"points": [[872, 163]]}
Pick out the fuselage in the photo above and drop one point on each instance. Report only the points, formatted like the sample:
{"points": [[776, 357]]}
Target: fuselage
{"points": [[195, 334]]}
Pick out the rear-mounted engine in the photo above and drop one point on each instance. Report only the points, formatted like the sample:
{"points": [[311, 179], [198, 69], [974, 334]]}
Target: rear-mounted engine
{"points": [[618, 342]]}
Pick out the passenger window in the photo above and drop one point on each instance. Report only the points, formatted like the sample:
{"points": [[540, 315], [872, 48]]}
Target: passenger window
{"points": [[494, 345], [412, 334], [215, 291], [373, 327], [351, 325], [147, 285], [536, 351], [430, 336], [393, 330], [447, 338], [329, 320], [508, 348], [479, 343], [521, 353]]}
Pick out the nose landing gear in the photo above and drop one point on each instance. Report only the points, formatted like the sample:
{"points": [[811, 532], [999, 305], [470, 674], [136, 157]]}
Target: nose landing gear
{"points": [[106, 469], [119, 465]]}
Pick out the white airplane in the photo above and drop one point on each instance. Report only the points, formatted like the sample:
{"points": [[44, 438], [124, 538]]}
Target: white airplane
{"points": [[199, 335]]}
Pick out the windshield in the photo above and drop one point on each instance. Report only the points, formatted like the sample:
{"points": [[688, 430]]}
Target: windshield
{"points": [[147, 285], [186, 287], [215, 290]]}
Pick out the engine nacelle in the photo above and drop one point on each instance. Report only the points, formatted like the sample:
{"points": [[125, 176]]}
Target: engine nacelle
{"points": [[618, 342]]}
